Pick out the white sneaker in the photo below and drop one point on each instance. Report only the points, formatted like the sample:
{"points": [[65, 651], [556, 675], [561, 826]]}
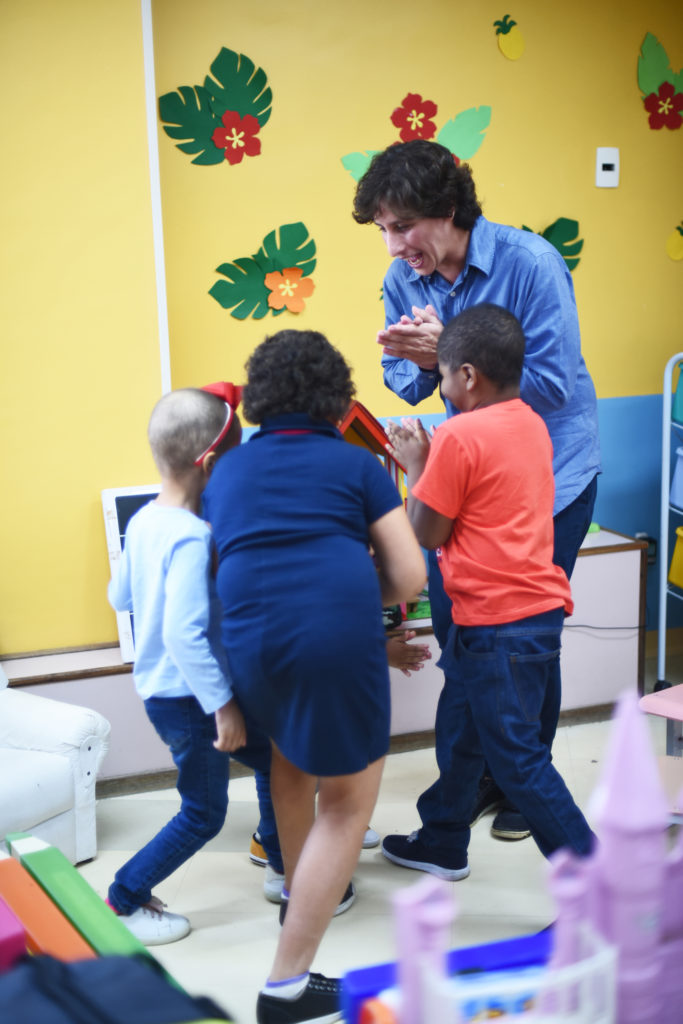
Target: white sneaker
{"points": [[155, 927], [371, 839], [272, 885]]}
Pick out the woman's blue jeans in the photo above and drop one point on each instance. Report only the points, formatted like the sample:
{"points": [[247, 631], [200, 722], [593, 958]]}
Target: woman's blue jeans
{"points": [[500, 704], [203, 776]]}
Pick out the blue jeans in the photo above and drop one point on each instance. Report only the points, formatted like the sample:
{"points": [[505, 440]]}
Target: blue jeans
{"points": [[203, 775], [499, 704], [570, 528]]}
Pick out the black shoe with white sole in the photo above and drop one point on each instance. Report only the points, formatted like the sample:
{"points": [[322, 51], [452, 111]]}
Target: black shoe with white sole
{"points": [[320, 1002], [509, 824], [411, 852]]}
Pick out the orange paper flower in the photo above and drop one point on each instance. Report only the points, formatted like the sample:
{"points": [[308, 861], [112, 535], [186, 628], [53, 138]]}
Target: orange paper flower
{"points": [[289, 289]]}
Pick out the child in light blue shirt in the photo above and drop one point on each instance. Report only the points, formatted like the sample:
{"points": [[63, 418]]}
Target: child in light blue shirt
{"points": [[166, 578]]}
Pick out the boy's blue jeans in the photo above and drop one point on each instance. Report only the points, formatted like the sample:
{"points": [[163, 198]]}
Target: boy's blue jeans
{"points": [[203, 775], [500, 704]]}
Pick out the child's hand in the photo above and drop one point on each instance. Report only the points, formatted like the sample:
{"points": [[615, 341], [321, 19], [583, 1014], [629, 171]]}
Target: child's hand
{"points": [[408, 443], [232, 732], [404, 656]]}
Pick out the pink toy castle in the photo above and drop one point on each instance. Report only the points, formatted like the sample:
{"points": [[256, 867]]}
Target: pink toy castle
{"points": [[628, 895], [631, 889]]}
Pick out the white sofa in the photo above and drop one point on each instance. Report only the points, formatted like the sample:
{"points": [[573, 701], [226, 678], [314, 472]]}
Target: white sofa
{"points": [[50, 753]]}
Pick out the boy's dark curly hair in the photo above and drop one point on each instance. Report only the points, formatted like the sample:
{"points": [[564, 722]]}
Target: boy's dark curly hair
{"points": [[297, 371], [490, 338], [418, 179]]}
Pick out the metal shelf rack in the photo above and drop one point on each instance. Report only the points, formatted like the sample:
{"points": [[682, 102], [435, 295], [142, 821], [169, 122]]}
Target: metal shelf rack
{"points": [[666, 589]]}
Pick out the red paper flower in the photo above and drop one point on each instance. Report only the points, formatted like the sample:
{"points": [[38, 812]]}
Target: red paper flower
{"points": [[413, 118], [288, 289], [237, 136], [664, 107]]}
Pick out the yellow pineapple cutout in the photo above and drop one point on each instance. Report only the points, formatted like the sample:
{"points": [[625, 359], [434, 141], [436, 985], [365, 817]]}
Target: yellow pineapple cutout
{"points": [[510, 39], [674, 243]]}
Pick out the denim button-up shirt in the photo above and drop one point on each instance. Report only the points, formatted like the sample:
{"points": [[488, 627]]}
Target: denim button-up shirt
{"points": [[524, 273]]}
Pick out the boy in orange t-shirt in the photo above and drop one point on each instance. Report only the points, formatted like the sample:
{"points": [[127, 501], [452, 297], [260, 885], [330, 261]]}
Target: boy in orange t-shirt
{"points": [[482, 492]]}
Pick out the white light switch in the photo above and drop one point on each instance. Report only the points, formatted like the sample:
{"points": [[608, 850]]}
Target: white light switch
{"points": [[607, 167]]}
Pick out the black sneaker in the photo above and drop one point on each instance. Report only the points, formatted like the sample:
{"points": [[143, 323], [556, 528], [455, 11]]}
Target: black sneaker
{"points": [[489, 798], [509, 824], [320, 1001], [411, 852], [344, 904]]}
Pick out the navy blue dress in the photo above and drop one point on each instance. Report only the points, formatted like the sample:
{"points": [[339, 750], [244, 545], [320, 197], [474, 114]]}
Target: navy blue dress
{"points": [[302, 615]]}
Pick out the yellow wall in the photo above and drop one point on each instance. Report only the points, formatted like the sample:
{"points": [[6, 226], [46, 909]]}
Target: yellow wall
{"points": [[80, 354], [80, 367], [337, 72]]}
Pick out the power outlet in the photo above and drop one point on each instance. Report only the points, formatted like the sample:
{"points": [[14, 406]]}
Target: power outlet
{"points": [[607, 167]]}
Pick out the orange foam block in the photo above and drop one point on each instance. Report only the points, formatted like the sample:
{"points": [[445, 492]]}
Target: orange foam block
{"points": [[45, 927], [88, 914]]}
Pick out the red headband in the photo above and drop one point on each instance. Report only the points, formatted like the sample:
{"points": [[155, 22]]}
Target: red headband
{"points": [[230, 394]]}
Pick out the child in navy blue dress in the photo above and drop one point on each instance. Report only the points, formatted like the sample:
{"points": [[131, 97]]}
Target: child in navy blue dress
{"points": [[294, 512]]}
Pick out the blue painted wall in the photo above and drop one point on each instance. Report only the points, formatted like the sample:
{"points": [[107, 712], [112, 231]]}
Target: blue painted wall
{"points": [[629, 488]]}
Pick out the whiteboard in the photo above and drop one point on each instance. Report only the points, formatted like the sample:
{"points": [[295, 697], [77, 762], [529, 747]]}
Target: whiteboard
{"points": [[119, 504]]}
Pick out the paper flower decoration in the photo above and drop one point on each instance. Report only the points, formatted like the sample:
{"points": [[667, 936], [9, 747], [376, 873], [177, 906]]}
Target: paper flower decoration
{"points": [[674, 243], [463, 134], [413, 117], [274, 279], [563, 234], [510, 39], [661, 88], [237, 136], [664, 107], [288, 289], [221, 118]]}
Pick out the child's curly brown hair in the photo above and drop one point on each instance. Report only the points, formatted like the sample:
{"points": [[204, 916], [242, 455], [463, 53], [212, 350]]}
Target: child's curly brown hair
{"points": [[297, 371]]}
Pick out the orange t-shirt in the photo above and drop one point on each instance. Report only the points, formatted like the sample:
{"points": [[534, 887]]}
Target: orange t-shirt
{"points": [[490, 470]]}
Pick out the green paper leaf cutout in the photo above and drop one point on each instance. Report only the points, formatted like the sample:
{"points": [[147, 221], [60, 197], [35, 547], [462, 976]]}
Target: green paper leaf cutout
{"points": [[239, 85], [464, 134], [562, 234], [189, 116], [677, 81], [357, 163], [245, 288], [295, 249], [653, 66]]}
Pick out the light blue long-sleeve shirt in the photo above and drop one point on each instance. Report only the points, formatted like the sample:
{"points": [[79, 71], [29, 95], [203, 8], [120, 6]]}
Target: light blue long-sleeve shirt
{"points": [[524, 273], [165, 579]]}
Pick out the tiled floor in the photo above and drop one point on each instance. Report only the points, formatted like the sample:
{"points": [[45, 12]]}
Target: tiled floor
{"points": [[228, 953]]}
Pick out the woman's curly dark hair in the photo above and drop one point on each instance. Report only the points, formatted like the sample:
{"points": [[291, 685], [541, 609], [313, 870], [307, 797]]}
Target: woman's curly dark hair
{"points": [[297, 371], [418, 178]]}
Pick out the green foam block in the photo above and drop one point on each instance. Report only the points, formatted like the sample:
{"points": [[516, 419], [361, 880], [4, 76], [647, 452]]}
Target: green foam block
{"points": [[80, 904]]}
